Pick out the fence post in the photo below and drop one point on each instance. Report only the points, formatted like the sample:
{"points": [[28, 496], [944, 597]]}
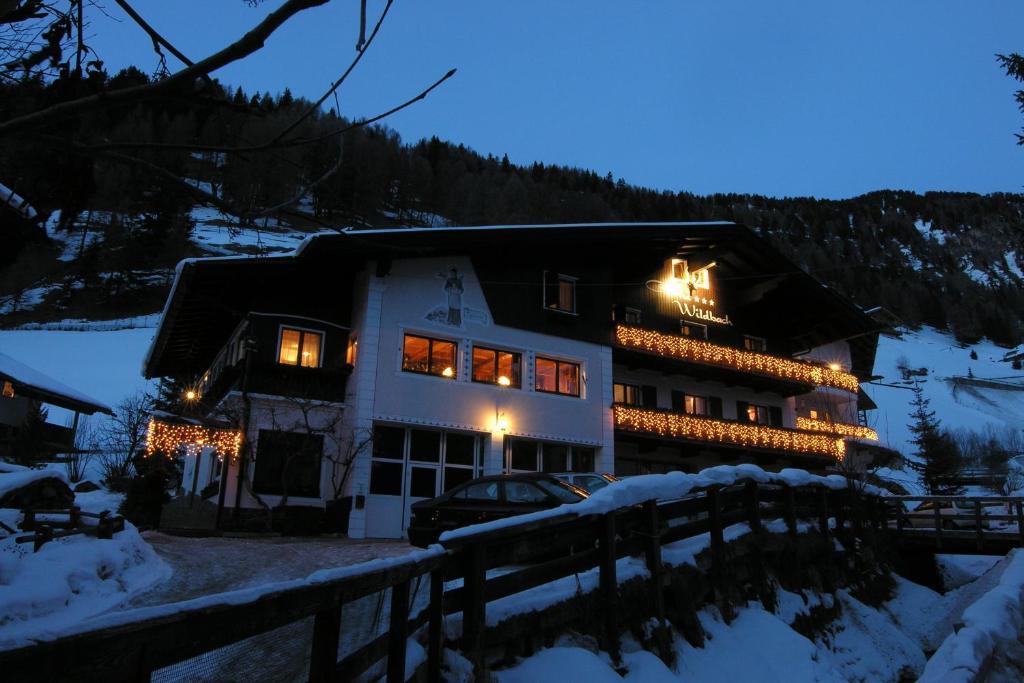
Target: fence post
{"points": [[74, 517], [28, 522], [938, 525], [104, 526], [652, 550], [823, 512], [754, 506], [609, 584], [977, 525], [435, 629], [1020, 523], [398, 629], [717, 539], [790, 509], [323, 658], [44, 534], [474, 609], [899, 517]]}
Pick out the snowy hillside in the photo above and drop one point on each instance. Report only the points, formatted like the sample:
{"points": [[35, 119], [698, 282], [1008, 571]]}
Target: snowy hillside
{"points": [[955, 405]]}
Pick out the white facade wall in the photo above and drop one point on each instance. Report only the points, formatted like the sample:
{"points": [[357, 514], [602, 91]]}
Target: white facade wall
{"points": [[412, 299]]}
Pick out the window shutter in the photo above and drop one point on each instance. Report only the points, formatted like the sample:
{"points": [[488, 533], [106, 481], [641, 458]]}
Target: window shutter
{"points": [[775, 416], [678, 402], [550, 289], [649, 396], [741, 411], [714, 406]]}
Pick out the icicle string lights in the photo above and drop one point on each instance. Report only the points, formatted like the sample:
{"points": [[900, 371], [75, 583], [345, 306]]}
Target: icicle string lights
{"points": [[697, 351], [840, 428], [683, 426], [167, 438]]}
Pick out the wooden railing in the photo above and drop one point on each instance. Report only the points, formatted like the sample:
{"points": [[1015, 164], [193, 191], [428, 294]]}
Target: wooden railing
{"points": [[957, 523], [538, 550]]}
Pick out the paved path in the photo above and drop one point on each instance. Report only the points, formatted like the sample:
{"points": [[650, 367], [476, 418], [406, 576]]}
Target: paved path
{"points": [[213, 565]]}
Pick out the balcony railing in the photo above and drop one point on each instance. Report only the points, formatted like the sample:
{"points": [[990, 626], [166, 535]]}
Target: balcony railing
{"points": [[322, 384], [839, 428], [713, 355], [748, 435]]}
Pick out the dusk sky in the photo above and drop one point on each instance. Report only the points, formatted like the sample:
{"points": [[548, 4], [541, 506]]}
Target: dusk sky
{"points": [[781, 98]]}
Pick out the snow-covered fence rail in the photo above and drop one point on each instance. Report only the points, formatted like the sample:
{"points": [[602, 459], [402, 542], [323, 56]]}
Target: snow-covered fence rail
{"points": [[477, 573]]}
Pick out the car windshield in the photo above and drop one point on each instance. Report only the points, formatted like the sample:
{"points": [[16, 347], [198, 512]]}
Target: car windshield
{"points": [[560, 491], [592, 484]]}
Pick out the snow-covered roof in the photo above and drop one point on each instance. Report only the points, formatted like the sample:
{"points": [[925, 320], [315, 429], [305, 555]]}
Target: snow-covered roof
{"points": [[32, 383]]}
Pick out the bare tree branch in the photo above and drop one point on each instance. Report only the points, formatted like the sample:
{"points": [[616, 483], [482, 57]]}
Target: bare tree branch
{"points": [[154, 36], [243, 47]]}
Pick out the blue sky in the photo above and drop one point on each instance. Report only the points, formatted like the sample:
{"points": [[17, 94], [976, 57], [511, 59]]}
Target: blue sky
{"points": [[780, 98]]}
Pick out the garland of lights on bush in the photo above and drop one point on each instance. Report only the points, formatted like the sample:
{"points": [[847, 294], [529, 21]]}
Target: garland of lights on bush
{"points": [[167, 438], [697, 351], [840, 428], [737, 433]]}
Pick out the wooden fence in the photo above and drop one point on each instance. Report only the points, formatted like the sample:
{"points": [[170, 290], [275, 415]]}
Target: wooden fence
{"points": [[535, 552]]}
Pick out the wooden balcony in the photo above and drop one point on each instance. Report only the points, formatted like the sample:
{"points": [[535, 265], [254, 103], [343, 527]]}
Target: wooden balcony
{"points": [[319, 384], [838, 428], [700, 359], [694, 428]]}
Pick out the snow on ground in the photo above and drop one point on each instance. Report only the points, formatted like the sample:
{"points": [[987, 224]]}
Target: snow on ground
{"points": [[217, 233], [961, 407], [103, 364], [990, 623], [69, 580]]}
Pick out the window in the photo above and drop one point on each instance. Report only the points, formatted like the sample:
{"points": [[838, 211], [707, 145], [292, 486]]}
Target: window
{"points": [[627, 394], [695, 405], [632, 316], [559, 292], [538, 456], [291, 458], [523, 492], [8, 390], [754, 344], [560, 491], [299, 347], [557, 377], [429, 356], [813, 414], [758, 414], [497, 367], [484, 490], [352, 351], [695, 330]]}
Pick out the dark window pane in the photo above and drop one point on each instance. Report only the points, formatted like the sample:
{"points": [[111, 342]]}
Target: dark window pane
{"points": [[460, 449], [442, 358], [425, 446], [415, 354], [523, 455], [555, 457], [583, 460], [560, 490], [523, 492], [569, 379], [483, 365], [388, 442], [288, 458], [422, 482], [485, 490], [547, 375], [386, 478], [592, 484], [453, 476]]}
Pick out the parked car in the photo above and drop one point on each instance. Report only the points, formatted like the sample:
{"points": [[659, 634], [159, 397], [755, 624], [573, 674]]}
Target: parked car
{"points": [[488, 498], [953, 515], [588, 481]]}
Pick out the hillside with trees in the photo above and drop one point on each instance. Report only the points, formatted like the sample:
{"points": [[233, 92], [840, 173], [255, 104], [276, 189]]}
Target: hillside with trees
{"points": [[105, 235]]}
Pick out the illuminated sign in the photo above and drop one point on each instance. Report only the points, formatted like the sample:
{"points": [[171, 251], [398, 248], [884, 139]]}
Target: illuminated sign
{"points": [[689, 290]]}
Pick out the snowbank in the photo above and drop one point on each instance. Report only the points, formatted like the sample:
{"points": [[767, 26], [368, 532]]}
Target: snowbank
{"points": [[996, 618], [14, 477], [69, 580], [640, 489]]}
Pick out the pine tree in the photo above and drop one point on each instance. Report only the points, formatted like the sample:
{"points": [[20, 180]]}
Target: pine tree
{"points": [[938, 452]]}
